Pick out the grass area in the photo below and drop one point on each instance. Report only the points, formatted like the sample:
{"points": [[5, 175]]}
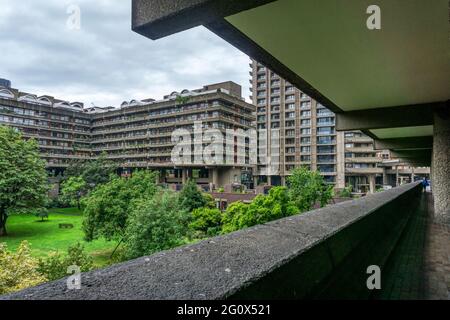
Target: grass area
{"points": [[46, 237]]}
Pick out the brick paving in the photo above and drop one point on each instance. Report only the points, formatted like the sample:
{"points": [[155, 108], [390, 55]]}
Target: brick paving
{"points": [[437, 261], [419, 267]]}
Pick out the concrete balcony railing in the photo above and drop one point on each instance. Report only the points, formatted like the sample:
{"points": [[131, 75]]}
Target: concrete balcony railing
{"points": [[360, 150], [364, 170], [364, 160], [323, 253]]}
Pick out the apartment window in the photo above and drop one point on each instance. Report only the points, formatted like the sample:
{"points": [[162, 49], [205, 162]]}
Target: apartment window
{"points": [[327, 168], [274, 108], [290, 123], [290, 133], [325, 130], [290, 141], [261, 109], [325, 121], [325, 159], [275, 100], [290, 97], [275, 117], [289, 88], [290, 106], [325, 149], [261, 118], [305, 114], [305, 158], [290, 150], [290, 115], [261, 101], [303, 96], [275, 91], [305, 122], [305, 104], [305, 149], [325, 140], [305, 140], [306, 131], [349, 145], [290, 158], [275, 125]]}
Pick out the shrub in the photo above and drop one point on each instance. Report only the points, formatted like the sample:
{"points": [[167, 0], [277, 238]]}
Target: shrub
{"points": [[155, 224], [206, 221], [18, 270], [262, 209], [346, 192], [55, 265]]}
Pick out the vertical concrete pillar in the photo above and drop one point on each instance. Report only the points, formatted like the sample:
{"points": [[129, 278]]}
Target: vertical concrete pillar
{"points": [[441, 165], [183, 176], [283, 181], [396, 176], [385, 176], [372, 183], [269, 180], [215, 177]]}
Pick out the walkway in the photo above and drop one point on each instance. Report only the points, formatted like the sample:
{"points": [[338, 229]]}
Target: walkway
{"points": [[419, 267]]}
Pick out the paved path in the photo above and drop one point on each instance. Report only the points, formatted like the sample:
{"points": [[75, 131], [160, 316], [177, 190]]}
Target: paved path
{"points": [[437, 260], [420, 265]]}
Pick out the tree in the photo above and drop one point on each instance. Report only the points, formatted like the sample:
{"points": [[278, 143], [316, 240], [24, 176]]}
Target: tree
{"points": [[18, 270], [93, 172], [73, 189], [307, 188], [23, 179], [191, 197], [107, 207], [262, 209], [207, 221], [156, 224]]}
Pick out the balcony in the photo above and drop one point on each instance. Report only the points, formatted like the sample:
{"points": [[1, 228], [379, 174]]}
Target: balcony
{"points": [[363, 160], [363, 170], [321, 254]]}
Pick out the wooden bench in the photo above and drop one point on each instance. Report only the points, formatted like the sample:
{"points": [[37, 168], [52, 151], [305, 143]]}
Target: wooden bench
{"points": [[65, 226]]}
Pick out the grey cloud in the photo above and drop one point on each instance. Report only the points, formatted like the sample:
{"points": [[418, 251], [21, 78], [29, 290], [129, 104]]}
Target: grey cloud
{"points": [[105, 62]]}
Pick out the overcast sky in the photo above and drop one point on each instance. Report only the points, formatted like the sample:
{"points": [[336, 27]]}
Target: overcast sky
{"points": [[104, 62]]}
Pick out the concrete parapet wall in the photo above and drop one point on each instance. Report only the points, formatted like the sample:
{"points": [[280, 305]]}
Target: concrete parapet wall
{"points": [[319, 254]]}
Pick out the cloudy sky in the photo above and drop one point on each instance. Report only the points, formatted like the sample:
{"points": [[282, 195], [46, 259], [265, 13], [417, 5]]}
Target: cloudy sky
{"points": [[104, 62]]}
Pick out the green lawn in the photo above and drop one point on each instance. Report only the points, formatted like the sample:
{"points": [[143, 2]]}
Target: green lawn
{"points": [[46, 236]]}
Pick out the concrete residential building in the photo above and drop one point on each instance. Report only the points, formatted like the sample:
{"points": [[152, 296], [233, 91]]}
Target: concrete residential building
{"points": [[136, 135], [308, 138]]}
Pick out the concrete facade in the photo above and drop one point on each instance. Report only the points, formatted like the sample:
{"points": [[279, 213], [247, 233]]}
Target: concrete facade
{"points": [[139, 133]]}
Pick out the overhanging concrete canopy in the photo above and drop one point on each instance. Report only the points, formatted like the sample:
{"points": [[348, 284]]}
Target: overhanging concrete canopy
{"points": [[414, 143], [325, 48]]}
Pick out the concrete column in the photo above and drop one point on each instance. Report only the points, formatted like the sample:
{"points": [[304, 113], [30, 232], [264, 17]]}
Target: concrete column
{"points": [[269, 180], [283, 181], [396, 176], [441, 165], [215, 177], [385, 177], [183, 176], [372, 183]]}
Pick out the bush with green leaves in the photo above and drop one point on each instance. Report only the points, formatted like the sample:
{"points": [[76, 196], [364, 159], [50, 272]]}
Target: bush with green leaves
{"points": [[346, 192], [262, 209], [18, 269], [55, 265], [156, 223], [108, 206], [206, 221], [307, 188]]}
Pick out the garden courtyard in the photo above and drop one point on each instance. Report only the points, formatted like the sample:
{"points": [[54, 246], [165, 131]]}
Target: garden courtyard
{"points": [[46, 236]]}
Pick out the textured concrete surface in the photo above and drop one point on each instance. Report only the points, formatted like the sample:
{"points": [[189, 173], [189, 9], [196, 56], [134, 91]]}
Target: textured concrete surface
{"points": [[441, 165], [223, 266]]}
